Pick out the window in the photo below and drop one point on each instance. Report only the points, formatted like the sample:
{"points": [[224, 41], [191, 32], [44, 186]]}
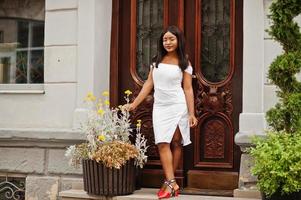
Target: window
{"points": [[149, 24], [22, 51], [21, 42]]}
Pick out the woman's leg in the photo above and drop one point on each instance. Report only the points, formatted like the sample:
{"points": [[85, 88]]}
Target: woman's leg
{"points": [[170, 157], [166, 160], [167, 164], [176, 148]]}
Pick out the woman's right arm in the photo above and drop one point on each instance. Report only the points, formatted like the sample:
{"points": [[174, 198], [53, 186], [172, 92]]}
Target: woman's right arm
{"points": [[146, 89]]}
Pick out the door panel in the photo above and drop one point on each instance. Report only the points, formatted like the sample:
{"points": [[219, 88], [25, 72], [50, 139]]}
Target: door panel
{"points": [[214, 67], [215, 48], [213, 31]]}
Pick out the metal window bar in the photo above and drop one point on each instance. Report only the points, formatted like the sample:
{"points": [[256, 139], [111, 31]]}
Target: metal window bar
{"points": [[29, 51], [12, 188]]}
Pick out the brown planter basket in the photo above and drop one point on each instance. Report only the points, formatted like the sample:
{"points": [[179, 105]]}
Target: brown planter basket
{"points": [[101, 180]]}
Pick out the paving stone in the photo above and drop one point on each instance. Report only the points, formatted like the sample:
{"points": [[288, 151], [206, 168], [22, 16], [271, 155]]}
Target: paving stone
{"points": [[41, 188], [143, 194]]}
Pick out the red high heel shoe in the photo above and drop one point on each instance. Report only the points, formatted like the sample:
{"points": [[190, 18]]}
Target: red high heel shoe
{"points": [[164, 194], [162, 188]]}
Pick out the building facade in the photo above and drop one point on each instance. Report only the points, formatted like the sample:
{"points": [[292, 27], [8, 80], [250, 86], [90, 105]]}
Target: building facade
{"points": [[39, 117], [53, 52]]}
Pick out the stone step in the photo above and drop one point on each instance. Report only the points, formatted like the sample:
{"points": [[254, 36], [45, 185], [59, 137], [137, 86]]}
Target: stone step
{"points": [[143, 194], [247, 193]]}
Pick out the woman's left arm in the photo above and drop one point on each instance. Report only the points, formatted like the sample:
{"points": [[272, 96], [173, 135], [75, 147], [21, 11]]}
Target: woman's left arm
{"points": [[188, 90]]}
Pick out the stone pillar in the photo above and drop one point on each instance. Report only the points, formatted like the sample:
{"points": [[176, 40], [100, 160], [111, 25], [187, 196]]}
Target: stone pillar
{"points": [[251, 121], [93, 66]]}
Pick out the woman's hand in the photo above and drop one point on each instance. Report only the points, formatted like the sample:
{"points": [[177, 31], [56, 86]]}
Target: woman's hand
{"points": [[129, 107], [192, 121]]}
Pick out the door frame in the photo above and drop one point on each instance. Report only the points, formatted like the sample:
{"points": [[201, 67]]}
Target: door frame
{"points": [[173, 14]]}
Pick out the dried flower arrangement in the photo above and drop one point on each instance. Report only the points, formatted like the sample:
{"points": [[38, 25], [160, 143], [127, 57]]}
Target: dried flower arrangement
{"points": [[108, 132]]}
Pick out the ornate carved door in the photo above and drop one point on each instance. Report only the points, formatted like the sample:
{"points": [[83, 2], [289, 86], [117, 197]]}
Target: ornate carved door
{"points": [[213, 31]]}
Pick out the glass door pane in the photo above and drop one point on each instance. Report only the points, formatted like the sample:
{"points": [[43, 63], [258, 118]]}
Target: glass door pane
{"points": [[215, 39], [149, 27]]}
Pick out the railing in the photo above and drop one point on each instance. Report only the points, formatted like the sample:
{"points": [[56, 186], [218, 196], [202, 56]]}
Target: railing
{"points": [[12, 188]]}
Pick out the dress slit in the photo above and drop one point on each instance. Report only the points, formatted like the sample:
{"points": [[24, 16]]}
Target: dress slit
{"points": [[170, 133]]}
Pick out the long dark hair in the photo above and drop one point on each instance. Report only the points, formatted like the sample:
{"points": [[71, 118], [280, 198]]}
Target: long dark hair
{"points": [[161, 52]]}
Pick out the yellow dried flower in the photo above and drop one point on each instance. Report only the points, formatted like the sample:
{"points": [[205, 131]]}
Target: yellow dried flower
{"points": [[100, 111], [138, 123], [101, 138], [128, 92], [107, 102], [90, 97], [105, 93]]}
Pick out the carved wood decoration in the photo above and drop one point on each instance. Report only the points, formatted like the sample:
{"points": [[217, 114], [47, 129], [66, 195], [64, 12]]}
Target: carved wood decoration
{"points": [[214, 138]]}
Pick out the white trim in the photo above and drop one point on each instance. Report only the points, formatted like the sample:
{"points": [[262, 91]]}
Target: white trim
{"points": [[253, 57], [40, 137], [30, 48], [22, 89]]}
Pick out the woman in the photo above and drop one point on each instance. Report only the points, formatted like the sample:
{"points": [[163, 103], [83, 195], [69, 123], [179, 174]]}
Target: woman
{"points": [[173, 111]]}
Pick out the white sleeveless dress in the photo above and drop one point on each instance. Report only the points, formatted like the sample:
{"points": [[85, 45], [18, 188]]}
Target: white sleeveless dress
{"points": [[170, 108]]}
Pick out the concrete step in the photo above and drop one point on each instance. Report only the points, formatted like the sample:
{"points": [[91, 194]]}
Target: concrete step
{"points": [[143, 194]]}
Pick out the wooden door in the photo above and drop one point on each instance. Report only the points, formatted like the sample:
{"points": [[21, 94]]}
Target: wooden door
{"points": [[215, 46], [213, 31]]}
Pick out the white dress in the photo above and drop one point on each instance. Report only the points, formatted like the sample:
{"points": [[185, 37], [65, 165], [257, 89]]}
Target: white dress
{"points": [[170, 108]]}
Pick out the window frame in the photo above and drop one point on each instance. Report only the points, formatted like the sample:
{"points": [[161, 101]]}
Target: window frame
{"points": [[35, 88]]}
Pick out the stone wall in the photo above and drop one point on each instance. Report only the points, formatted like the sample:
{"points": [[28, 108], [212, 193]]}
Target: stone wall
{"points": [[38, 155]]}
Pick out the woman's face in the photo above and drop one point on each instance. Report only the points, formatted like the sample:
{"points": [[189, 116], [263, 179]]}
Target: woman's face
{"points": [[170, 42]]}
